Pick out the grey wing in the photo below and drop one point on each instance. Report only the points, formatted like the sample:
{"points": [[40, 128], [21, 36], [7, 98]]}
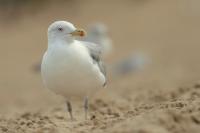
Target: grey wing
{"points": [[95, 53], [103, 70]]}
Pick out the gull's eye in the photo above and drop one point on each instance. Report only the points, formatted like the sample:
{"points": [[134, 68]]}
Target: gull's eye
{"points": [[60, 29]]}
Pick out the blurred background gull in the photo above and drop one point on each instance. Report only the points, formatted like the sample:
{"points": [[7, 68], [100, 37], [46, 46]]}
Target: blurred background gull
{"points": [[98, 33]]}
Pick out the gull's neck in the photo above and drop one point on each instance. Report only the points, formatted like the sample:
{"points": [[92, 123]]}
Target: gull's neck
{"points": [[53, 41]]}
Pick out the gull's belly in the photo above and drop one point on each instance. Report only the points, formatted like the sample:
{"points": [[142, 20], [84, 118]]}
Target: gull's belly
{"points": [[71, 73]]}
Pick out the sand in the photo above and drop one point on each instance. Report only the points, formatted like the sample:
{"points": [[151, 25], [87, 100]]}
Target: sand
{"points": [[162, 98]]}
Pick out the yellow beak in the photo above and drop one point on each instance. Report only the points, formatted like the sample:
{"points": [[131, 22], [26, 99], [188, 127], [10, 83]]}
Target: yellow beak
{"points": [[78, 32]]}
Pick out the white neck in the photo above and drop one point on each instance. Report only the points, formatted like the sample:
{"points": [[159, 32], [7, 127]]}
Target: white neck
{"points": [[59, 41]]}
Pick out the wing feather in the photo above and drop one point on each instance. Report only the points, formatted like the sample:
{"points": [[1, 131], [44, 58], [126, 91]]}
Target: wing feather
{"points": [[95, 53]]}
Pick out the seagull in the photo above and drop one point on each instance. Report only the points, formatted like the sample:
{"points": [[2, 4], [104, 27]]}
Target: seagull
{"points": [[98, 34], [72, 68]]}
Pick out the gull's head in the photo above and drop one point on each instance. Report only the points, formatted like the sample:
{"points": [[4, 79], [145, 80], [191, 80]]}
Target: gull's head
{"points": [[63, 30]]}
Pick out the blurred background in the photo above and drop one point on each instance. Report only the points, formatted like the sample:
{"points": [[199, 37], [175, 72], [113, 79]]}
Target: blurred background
{"points": [[165, 31]]}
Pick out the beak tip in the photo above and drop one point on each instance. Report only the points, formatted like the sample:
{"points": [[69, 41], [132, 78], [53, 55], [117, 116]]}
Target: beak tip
{"points": [[79, 32], [83, 33]]}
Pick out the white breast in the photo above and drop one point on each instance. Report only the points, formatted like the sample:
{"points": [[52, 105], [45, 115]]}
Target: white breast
{"points": [[69, 71]]}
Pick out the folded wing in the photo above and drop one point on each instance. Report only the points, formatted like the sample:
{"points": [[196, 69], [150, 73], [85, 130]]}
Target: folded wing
{"points": [[95, 52]]}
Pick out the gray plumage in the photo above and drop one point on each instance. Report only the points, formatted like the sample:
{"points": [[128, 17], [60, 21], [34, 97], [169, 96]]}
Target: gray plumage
{"points": [[130, 64], [95, 52]]}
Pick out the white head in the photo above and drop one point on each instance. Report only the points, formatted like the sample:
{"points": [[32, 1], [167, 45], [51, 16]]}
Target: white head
{"points": [[63, 31]]}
